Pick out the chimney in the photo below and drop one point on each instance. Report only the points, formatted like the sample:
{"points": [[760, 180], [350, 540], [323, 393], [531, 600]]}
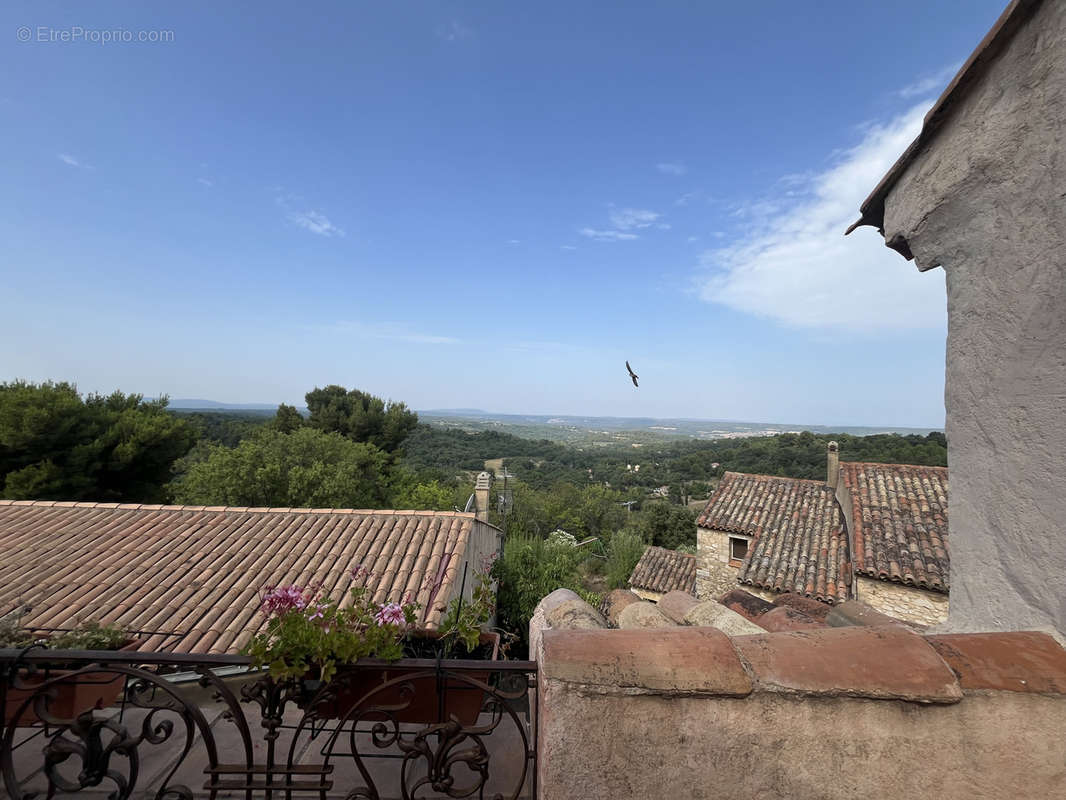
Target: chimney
{"points": [[482, 487], [833, 466]]}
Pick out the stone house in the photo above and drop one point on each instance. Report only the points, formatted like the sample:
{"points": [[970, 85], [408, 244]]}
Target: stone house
{"points": [[875, 532]]}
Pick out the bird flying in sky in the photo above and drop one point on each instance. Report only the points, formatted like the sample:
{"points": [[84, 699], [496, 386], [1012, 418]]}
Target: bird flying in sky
{"points": [[632, 374]]}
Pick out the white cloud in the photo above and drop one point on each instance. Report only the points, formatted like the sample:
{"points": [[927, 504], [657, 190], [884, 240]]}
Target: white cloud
{"points": [[672, 168], [453, 31], [625, 219], [316, 222], [567, 247], [310, 220], [70, 161], [930, 83], [607, 236], [206, 182], [794, 264], [514, 241]]}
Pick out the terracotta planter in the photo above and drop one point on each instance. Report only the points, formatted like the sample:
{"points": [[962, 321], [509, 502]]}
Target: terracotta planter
{"points": [[426, 706], [90, 690]]}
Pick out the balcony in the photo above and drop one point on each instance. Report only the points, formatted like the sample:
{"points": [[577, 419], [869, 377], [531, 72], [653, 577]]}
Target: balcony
{"points": [[134, 724]]}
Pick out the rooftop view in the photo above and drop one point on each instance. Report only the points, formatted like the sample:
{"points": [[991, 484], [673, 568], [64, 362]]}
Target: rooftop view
{"points": [[420, 401]]}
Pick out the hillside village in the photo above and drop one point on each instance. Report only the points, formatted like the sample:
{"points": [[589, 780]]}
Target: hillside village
{"points": [[343, 601]]}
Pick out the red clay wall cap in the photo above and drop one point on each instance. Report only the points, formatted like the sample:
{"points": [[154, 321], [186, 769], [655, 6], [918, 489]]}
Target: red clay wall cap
{"points": [[662, 660], [1012, 662], [878, 663]]}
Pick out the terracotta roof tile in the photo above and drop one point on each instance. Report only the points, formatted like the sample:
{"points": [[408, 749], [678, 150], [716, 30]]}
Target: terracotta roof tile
{"points": [[799, 542], [900, 521], [661, 570], [190, 576]]}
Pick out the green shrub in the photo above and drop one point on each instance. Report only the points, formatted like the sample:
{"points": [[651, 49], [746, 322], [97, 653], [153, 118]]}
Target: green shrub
{"points": [[626, 549], [530, 569]]}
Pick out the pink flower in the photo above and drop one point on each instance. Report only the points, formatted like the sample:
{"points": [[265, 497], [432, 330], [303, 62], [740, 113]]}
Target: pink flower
{"points": [[359, 572], [390, 614], [279, 600], [318, 612]]}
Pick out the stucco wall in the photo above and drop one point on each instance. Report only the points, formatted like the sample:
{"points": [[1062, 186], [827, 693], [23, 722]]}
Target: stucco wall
{"points": [[837, 714], [903, 602], [984, 199]]}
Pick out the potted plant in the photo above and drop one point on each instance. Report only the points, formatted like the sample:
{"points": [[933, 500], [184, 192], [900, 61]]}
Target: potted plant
{"points": [[67, 698], [319, 643]]}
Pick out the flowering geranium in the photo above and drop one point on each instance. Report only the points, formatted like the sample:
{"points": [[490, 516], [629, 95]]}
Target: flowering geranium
{"points": [[305, 631], [280, 599]]}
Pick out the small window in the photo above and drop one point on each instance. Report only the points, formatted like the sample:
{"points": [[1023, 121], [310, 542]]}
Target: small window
{"points": [[738, 551]]}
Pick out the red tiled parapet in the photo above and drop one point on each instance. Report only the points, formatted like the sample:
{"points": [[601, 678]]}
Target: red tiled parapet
{"points": [[880, 663], [748, 605], [854, 612], [660, 660], [784, 618], [812, 608], [615, 602], [1011, 662]]}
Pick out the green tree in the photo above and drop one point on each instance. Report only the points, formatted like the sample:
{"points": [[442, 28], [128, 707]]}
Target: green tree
{"points": [[667, 525], [55, 445], [427, 495], [287, 419], [360, 416], [303, 469]]}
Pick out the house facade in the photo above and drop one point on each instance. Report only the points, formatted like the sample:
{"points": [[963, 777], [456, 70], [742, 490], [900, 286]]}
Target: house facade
{"points": [[873, 532]]}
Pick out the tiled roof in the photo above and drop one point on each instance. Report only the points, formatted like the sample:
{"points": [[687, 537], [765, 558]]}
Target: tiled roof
{"points": [[900, 521], [196, 571], [799, 542], [662, 570]]}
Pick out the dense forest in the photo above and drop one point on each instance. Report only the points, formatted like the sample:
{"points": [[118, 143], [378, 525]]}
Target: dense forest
{"points": [[572, 517]]}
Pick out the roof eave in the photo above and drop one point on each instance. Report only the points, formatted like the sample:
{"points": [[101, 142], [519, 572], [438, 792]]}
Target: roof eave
{"points": [[872, 211]]}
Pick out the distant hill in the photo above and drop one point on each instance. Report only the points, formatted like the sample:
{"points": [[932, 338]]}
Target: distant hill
{"points": [[197, 404], [602, 431]]}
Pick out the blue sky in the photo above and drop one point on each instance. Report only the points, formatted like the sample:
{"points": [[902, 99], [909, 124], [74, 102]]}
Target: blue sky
{"points": [[486, 205]]}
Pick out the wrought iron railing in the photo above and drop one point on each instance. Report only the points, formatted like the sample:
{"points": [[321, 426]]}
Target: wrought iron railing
{"points": [[178, 725]]}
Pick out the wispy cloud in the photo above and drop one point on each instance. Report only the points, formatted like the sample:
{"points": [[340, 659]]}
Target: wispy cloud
{"points": [[314, 221], [514, 241], [70, 161], [633, 218], [671, 168], [206, 182], [930, 83], [607, 236], [395, 331], [309, 219], [567, 247], [794, 264], [453, 31], [625, 222]]}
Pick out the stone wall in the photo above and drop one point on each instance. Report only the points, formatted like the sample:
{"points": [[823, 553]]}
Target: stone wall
{"points": [[832, 714], [984, 199], [903, 602], [714, 576]]}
